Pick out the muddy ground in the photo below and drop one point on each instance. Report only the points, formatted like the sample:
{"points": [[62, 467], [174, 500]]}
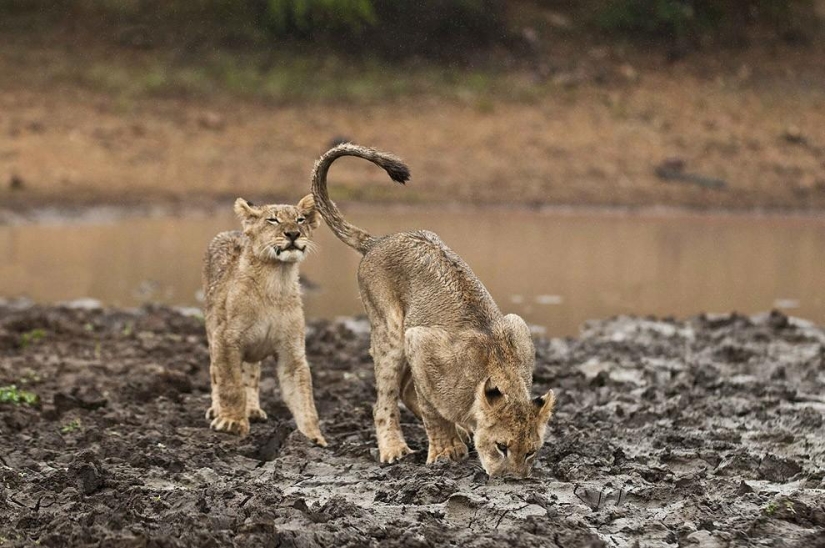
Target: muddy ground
{"points": [[705, 432]]}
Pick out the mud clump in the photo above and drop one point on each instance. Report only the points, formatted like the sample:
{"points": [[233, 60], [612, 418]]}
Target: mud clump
{"points": [[773, 468], [89, 478], [659, 425]]}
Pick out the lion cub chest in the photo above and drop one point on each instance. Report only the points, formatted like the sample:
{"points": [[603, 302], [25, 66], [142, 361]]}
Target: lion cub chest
{"points": [[269, 331], [266, 318]]}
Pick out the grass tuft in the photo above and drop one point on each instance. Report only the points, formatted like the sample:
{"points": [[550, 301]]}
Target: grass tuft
{"points": [[12, 394], [70, 427], [30, 337]]}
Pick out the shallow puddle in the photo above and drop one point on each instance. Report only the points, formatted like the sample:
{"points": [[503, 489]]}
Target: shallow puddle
{"points": [[557, 268]]}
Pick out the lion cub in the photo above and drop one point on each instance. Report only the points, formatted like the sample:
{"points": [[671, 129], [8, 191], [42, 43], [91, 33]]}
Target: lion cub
{"points": [[254, 310], [440, 343]]}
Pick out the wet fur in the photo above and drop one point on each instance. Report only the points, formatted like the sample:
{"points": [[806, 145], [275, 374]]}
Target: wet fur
{"points": [[440, 342], [254, 310]]}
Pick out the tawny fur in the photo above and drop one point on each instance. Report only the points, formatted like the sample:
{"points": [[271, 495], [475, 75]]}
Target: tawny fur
{"points": [[254, 310], [440, 343]]}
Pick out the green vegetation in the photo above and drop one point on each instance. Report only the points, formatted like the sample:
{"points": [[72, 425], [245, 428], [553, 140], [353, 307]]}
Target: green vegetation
{"points": [[284, 16], [431, 28], [381, 27], [29, 376], [266, 76], [682, 19], [775, 505], [12, 394], [344, 50], [70, 426], [30, 337]]}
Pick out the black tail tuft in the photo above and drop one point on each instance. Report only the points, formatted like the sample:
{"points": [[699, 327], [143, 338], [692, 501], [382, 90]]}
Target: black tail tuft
{"points": [[398, 172]]}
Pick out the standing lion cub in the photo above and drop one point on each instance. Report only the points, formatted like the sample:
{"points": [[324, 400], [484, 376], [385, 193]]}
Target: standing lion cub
{"points": [[254, 310], [440, 343]]}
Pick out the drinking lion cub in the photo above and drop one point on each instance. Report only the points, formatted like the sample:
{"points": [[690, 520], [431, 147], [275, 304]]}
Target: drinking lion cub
{"points": [[440, 342], [254, 310]]}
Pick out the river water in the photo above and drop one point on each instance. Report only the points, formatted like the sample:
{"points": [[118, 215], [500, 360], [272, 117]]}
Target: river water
{"points": [[555, 268]]}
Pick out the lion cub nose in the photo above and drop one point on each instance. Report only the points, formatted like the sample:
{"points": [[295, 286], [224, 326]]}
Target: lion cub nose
{"points": [[292, 235]]}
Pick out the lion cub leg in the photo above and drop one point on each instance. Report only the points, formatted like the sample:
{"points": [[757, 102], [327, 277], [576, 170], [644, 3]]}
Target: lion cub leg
{"points": [[442, 442], [228, 391], [252, 380], [296, 390], [408, 394], [443, 436], [214, 408], [387, 349]]}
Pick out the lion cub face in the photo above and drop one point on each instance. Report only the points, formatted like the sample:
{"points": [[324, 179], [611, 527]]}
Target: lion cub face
{"points": [[279, 232], [509, 433]]}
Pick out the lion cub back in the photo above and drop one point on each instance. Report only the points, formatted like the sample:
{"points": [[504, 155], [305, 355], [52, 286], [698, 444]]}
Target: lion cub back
{"points": [[221, 258]]}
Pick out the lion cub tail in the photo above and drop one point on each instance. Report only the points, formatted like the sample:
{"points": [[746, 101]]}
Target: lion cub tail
{"points": [[358, 239]]}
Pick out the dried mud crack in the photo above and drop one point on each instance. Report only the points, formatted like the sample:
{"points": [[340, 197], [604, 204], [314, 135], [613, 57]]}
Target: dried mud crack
{"points": [[705, 432]]}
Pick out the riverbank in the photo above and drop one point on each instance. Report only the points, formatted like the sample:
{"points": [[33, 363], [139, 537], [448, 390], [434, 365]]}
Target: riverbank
{"points": [[605, 125]]}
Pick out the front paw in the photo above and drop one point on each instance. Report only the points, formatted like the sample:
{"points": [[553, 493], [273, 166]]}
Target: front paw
{"points": [[455, 451], [212, 412], [463, 435], [232, 425], [314, 434], [393, 452], [256, 415]]}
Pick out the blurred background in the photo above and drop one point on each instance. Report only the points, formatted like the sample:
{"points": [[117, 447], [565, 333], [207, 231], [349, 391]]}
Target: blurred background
{"points": [[586, 158]]}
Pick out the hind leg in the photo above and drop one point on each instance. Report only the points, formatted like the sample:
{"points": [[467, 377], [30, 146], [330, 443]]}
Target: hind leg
{"points": [[387, 349], [252, 381], [386, 316]]}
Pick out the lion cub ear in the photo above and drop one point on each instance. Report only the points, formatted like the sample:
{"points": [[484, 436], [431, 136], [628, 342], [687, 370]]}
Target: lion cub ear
{"points": [[307, 208], [545, 405], [246, 211], [489, 394]]}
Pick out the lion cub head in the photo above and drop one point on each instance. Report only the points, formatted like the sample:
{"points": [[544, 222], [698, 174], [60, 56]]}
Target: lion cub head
{"points": [[279, 232], [509, 430]]}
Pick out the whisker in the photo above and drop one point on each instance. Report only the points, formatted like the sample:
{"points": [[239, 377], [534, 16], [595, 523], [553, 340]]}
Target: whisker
{"points": [[311, 247]]}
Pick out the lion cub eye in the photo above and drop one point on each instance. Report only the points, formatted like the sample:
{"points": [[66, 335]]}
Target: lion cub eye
{"points": [[301, 220], [273, 221], [502, 449]]}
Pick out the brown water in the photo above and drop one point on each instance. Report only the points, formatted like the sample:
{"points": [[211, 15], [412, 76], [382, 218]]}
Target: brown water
{"points": [[556, 269]]}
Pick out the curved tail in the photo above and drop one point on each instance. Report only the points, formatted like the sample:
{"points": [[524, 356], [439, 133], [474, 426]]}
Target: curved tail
{"points": [[356, 238]]}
